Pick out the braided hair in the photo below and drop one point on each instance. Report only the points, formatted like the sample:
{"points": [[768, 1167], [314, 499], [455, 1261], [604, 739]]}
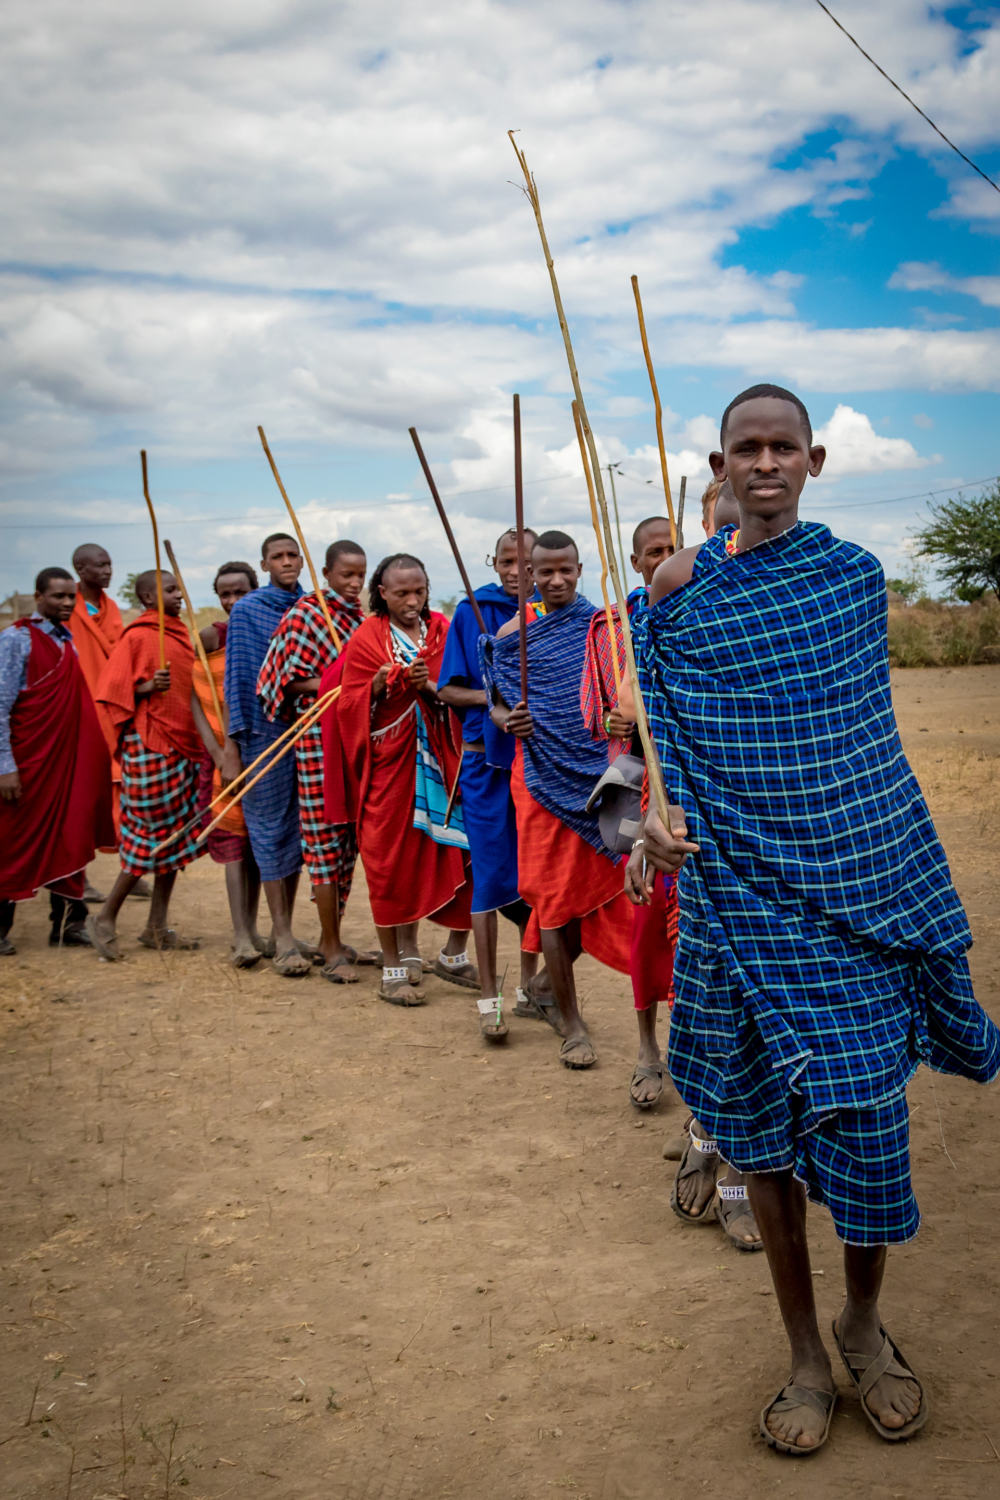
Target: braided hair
{"points": [[376, 603]]}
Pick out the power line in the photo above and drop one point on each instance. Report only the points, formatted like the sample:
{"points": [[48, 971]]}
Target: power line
{"points": [[906, 96], [858, 504]]}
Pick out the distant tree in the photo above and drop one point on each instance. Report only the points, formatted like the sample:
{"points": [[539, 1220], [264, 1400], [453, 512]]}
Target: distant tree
{"points": [[447, 606], [127, 593], [963, 537], [906, 588]]}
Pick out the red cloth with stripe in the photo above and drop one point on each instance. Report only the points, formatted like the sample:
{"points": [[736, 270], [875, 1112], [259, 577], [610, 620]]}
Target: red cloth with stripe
{"points": [[409, 875], [562, 878], [654, 943], [64, 811]]}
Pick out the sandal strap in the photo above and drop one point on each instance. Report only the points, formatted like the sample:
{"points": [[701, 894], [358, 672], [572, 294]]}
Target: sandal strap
{"points": [[393, 976], [707, 1148], [487, 1007], [732, 1194], [800, 1395], [877, 1365], [454, 960]]}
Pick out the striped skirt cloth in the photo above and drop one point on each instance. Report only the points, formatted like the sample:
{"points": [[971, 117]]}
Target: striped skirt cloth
{"points": [[330, 850], [159, 794]]}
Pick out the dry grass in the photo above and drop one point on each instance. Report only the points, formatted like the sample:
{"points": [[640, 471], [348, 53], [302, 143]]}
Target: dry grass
{"points": [[931, 634]]}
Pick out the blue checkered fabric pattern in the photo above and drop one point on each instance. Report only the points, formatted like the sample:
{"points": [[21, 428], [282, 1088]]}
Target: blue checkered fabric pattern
{"points": [[820, 911], [855, 1161], [561, 761]]}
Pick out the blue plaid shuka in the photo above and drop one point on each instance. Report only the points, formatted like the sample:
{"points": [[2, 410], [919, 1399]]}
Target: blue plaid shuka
{"points": [[819, 918]]}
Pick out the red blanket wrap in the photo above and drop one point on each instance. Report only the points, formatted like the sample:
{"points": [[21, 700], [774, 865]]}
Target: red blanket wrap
{"points": [[409, 875], [563, 879], [163, 721], [64, 811]]}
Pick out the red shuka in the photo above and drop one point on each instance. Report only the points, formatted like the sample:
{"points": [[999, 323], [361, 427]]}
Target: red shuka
{"points": [[163, 721], [409, 875], [563, 878], [64, 811]]}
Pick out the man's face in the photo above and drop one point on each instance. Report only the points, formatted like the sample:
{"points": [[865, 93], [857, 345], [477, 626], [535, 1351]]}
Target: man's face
{"points": [[230, 587], [173, 599], [57, 600], [405, 592], [93, 568], [556, 575], [283, 564], [654, 546], [346, 575], [505, 564], [767, 458]]}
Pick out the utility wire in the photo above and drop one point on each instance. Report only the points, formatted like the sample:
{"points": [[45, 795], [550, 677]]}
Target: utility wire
{"points": [[906, 96]]}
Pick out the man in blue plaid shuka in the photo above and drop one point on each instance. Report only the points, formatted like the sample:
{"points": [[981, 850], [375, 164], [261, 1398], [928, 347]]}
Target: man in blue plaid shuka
{"points": [[822, 948]]}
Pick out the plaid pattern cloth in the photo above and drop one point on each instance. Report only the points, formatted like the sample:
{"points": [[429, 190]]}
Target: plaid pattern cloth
{"points": [[159, 793], [561, 762], [820, 911], [855, 1161], [301, 647]]}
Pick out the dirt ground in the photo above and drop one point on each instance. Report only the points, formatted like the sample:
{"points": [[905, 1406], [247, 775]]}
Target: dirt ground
{"points": [[276, 1239]]}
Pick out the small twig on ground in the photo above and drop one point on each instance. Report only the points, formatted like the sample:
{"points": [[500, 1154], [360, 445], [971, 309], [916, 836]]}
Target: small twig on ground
{"points": [[409, 1341], [944, 1144], [549, 1301], [34, 1398], [370, 1380]]}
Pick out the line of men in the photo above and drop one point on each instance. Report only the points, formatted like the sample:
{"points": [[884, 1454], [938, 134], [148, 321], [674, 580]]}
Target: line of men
{"points": [[820, 944]]}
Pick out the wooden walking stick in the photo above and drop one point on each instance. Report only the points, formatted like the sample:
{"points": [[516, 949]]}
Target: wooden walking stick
{"points": [[679, 539], [618, 524], [522, 579], [659, 413], [473, 601], [306, 722], [312, 714], [657, 788], [159, 570], [337, 644], [198, 644], [612, 633]]}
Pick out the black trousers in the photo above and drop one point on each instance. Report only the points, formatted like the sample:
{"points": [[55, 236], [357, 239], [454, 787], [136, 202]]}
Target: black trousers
{"points": [[63, 913]]}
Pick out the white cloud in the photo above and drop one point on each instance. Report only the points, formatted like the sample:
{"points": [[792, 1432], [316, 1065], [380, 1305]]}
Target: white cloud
{"points": [[854, 447], [916, 276]]}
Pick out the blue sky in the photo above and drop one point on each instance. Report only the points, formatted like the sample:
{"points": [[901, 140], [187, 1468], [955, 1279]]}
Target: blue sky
{"points": [[302, 215]]}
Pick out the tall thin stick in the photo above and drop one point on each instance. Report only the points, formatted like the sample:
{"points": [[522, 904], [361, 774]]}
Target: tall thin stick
{"points": [[311, 714], [679, 539], [654, 768], [612, 633], [198, 644], [159, 571], [473, 601], [618, 524], [522, 581], [454, 789], [334, 635], [659, 412], [304, 724]]}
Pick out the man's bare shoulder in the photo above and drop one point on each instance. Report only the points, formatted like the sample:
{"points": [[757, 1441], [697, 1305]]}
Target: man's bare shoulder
{"points": [[509, 627], [673, 573]]}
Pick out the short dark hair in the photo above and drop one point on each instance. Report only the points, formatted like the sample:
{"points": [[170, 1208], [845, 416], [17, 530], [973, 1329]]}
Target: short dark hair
{"points": [[236, 567], [146, 582], [86, 547], [512, 531], [376, 603], [555, 541], [343, 548], [276, 536], [46, 576], [775, 393], [649, 521]]}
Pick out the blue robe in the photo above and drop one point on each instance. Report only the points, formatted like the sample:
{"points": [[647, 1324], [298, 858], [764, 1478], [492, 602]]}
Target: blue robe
{"points": [[271, 809]]}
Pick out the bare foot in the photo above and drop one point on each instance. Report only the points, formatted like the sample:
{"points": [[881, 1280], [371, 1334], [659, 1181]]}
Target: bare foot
{"points": [[245, 952], [735, 1213], [695, 1190], [801, 1426], [647, 1090], [577, 1051], [893, 1399], [289, 961], [103, 936]]}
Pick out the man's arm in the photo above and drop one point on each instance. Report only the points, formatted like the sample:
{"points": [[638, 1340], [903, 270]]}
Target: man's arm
{"points": [[672, 573], [15, 648], [158, 683], [461, 697]]}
